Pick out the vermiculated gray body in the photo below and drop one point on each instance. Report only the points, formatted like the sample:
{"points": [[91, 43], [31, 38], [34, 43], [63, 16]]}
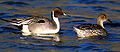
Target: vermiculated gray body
{"points": [[40, 24]]}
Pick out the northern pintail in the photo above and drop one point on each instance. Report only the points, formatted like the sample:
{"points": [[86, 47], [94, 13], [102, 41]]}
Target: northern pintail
{"points": [[39, 25], [91, 30]]}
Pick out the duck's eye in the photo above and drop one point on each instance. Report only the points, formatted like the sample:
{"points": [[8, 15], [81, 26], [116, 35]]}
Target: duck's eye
{"points": [[41, 21]]}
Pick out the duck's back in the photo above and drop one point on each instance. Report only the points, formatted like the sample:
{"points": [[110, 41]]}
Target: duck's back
{"points": [[87, 30], [40, 24]]}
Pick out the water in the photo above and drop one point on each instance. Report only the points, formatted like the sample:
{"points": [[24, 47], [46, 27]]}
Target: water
{"points": [[82, 11]]}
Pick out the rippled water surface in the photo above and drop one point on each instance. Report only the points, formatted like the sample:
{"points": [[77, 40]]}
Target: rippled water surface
{"points": [[82, 11]]}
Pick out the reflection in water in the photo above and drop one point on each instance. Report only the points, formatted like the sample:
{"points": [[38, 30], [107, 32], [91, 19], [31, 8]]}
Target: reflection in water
{"points": [[54, 37]]}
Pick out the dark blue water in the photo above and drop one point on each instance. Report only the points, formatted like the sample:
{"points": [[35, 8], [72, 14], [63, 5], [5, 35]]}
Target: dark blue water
{"points": [[82, 11]]}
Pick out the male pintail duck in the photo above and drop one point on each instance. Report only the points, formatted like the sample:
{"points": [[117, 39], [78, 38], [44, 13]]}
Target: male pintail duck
{"points": [[40, 25]]}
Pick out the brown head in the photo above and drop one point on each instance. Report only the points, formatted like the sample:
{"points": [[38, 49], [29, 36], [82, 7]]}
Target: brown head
{"points": [[57, 12], [102, 18]]}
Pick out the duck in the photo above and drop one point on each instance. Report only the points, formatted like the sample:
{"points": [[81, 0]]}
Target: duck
{"points": [[88, 30], [40, 25]]}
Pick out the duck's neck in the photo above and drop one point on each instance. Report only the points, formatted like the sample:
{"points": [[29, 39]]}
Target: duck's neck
{"points": [[100, 22], [56, 21]]}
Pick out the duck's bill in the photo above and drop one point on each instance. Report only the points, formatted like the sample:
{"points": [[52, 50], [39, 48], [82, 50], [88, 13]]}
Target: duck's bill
{"points": [[109, 21], [67, 15]]}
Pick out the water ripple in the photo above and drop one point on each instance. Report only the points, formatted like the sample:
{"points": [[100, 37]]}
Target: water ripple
{"points": [[95, 2], [14, 3]]}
